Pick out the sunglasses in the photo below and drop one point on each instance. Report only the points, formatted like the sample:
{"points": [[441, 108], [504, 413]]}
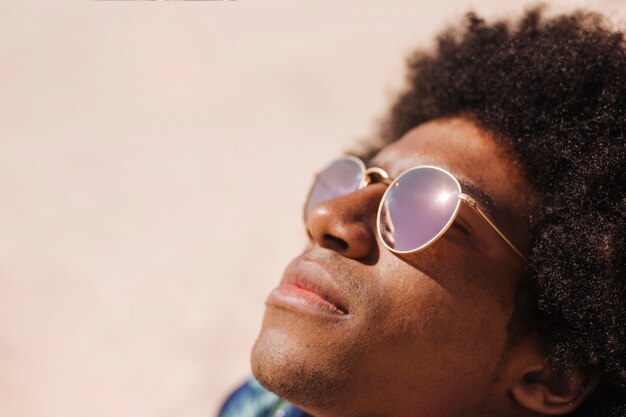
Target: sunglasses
{"points": [[417, 208]]}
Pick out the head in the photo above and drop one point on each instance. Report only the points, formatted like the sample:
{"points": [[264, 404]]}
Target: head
{"points": [[532, 115]]}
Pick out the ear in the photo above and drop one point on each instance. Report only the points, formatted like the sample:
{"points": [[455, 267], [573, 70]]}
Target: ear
{"points": [[546, 391]]}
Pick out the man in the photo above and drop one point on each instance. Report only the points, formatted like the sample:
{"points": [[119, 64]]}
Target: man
{"points": [[473, 265]]}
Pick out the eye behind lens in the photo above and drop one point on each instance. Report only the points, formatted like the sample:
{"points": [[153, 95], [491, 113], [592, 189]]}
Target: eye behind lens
{"points": [[418, 208]]}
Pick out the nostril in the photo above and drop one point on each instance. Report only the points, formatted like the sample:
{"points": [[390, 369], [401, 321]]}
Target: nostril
{"points": [[342, 244]]}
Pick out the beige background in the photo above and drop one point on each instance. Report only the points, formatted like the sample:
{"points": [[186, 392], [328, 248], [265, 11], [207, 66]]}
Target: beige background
{"points": [[153, 160]]}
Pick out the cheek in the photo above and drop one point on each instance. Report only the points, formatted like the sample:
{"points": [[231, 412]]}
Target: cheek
{"points": [[425, 331]]}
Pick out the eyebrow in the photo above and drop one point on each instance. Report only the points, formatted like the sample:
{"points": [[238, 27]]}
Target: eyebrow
{"points": [[481, 196]]}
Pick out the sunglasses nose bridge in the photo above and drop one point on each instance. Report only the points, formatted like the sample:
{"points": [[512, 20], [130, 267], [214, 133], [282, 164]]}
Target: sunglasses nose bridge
{"points": [[375, 175]]}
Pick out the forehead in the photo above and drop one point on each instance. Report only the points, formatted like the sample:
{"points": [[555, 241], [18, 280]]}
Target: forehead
{"points": [[472, 155], [454, 144]]}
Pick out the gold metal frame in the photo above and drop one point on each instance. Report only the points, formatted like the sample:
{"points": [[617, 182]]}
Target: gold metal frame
{"points": [[369, 175], [471, 202]]}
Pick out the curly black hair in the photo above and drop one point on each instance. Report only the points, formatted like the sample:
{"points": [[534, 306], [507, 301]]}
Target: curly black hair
{"points": [[553, 90]]}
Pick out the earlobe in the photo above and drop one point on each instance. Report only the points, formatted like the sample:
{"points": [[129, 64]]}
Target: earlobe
{"points": [[547, 391]]}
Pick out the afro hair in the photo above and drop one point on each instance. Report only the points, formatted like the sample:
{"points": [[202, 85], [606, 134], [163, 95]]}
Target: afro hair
{"points": [[553, 91]]}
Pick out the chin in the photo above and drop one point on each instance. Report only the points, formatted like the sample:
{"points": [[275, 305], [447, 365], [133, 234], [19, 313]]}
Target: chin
{"points": [[303, 369]]}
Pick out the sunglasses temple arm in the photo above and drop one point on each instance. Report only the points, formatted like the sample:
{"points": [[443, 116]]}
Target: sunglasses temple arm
{"points": [[472, 203]]}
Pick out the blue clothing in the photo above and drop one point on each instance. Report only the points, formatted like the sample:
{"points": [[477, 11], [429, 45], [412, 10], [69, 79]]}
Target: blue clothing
{"points": [[252, 400]]}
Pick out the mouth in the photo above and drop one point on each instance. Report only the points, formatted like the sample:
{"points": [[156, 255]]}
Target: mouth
{"points": [[308, 288]]}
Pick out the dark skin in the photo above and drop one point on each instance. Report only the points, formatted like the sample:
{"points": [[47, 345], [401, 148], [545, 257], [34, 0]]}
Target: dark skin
{"points": [[423, 334]]}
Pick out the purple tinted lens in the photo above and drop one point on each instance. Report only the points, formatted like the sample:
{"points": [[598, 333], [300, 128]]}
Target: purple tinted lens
{"points": [[341, 177], [417, 207]]}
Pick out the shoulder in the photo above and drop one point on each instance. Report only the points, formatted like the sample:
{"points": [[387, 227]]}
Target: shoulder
{"points": [[252, 400]]}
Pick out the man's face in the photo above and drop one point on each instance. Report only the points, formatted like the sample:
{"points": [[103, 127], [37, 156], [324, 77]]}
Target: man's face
{"points": [[422, 334]]}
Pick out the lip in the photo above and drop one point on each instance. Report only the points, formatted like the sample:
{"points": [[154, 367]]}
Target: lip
{"points": [[307, 287]]}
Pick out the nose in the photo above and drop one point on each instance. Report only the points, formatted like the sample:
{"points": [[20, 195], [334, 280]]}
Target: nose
{"points": [[347, 224]]}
